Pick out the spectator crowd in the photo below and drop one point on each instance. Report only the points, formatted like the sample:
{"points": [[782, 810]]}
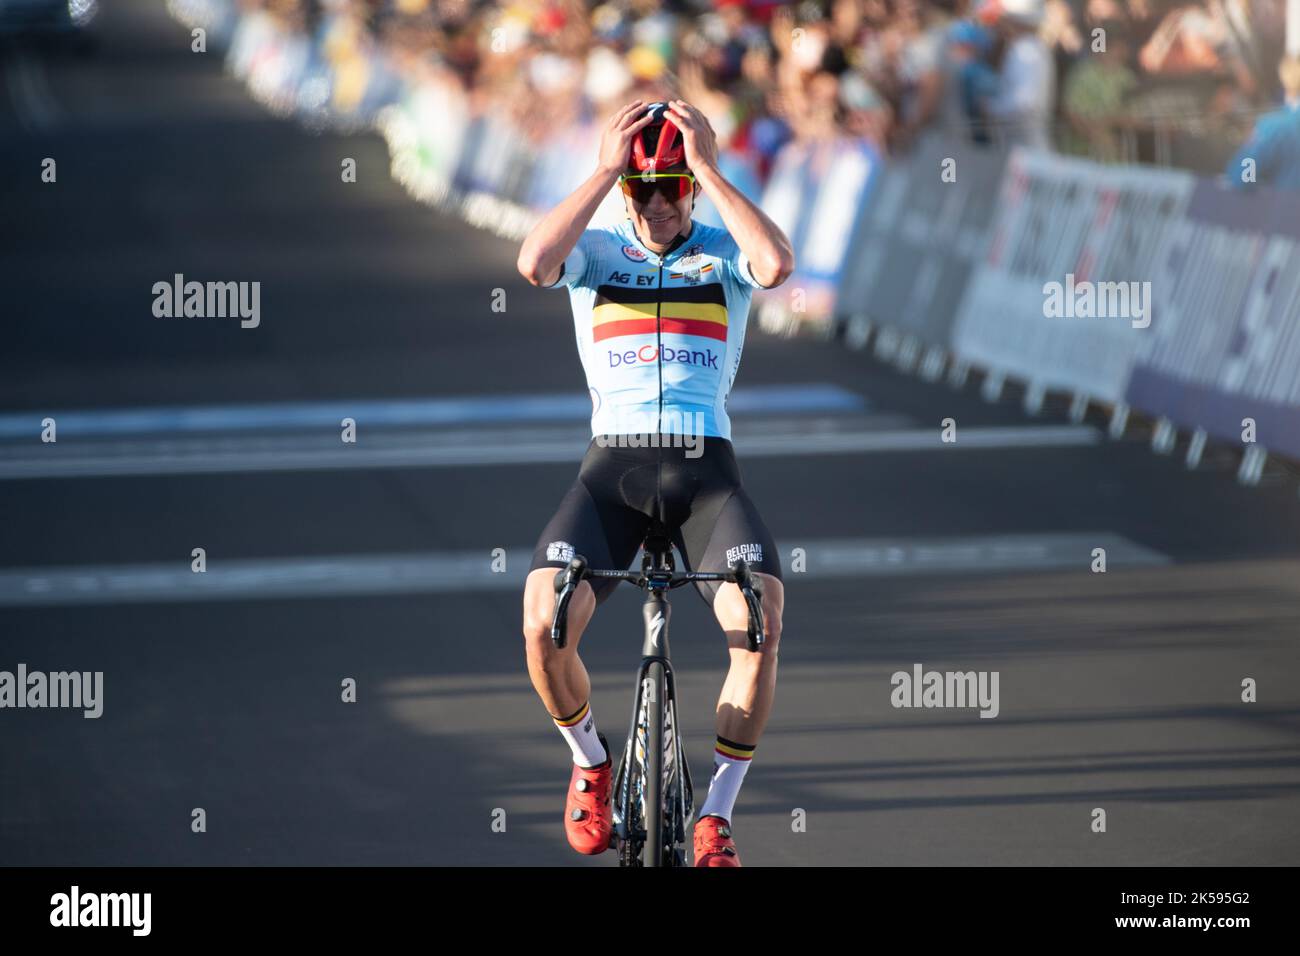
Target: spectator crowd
{"points": [[1168, 81]]}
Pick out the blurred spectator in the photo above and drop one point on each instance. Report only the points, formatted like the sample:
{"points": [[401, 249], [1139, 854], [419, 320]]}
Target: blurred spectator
{"points": [[1060, 31], [1197, 39], [921, 38], [970, 77], [1021, 108], [1214, 50], [1272, 154], [1097, 91]]}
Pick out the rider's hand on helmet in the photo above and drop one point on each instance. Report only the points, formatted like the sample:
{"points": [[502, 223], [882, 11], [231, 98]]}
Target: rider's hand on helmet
{"points": [[697, 135], [616, 140]]}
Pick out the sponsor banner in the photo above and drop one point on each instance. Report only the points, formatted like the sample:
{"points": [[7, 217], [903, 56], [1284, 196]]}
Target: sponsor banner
{"points": [[1064, 294], [425, 133], [480, 165], [919, 235], [1226, 346], [564, 162], [788, 188], [741, 170], [842, 169], [814, 194]]}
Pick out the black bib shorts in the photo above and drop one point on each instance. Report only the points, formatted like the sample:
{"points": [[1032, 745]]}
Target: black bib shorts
{"points": [[620, 491]]}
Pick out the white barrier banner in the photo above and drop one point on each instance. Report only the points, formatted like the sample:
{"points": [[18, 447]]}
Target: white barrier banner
{"points": [[1064, 294], [1226, 358]]}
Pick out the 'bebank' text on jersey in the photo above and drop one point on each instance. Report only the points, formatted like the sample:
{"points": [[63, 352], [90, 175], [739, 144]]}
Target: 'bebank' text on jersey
{"points": [[660, 339]]}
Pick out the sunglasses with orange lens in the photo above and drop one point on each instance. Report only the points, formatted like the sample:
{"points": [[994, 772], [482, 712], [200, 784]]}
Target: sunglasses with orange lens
{"points": [[642, 186]]}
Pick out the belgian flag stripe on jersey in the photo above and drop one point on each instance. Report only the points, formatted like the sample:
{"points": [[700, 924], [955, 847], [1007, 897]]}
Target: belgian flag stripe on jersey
{"points": [[700, 312], [705, 329], [705, 271], [687, 310]]}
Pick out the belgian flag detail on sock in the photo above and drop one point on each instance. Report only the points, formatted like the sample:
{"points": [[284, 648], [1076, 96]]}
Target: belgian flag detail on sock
{"points": [[573, 719], [733, 750]]}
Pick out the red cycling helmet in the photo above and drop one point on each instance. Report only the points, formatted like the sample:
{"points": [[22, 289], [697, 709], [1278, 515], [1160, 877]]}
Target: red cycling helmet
{"points": [[658, 147]]}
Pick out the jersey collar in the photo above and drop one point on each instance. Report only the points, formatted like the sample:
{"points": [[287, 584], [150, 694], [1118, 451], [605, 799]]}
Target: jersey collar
{"points": [[678, 241]]}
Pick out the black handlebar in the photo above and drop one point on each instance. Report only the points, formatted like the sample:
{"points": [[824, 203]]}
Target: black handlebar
{"points": [[568, 579]]}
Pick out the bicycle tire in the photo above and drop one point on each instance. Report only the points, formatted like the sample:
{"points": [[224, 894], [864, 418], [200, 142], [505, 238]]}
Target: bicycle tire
{"points": [[629, 851], [652, 854]]}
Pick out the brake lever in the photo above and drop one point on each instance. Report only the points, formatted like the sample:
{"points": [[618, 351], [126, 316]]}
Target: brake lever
{"points": [[566, 582], [755, 619], [752, 590]]}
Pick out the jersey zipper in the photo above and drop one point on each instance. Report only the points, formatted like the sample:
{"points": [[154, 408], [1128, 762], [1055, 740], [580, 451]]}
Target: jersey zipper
{"points": [[659, 343], [659, 362]]}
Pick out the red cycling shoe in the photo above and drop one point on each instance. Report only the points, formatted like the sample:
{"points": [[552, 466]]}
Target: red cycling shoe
{"points": [[588, 818], [713, 843]]}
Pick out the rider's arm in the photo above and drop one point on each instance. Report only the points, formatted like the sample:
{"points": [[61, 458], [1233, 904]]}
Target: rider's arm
{"points": [[553, 239], [771, 258]]}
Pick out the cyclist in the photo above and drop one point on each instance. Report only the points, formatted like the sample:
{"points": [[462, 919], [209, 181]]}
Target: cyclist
{"points": [[659, 304]]}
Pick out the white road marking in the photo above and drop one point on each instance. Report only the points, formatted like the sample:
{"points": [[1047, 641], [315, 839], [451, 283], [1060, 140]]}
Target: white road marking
{"points": [[442, 572], [412, 448]]}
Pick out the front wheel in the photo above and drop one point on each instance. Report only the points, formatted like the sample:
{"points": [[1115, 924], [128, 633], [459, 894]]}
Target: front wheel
{"points": [[655, 687]]}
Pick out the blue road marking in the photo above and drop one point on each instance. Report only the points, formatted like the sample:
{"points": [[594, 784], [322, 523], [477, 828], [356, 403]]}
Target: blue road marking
{"points": [[393, 413]]}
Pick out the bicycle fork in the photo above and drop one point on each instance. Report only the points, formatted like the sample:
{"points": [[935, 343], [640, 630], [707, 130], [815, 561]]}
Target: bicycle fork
{"points": [[655, 808]]}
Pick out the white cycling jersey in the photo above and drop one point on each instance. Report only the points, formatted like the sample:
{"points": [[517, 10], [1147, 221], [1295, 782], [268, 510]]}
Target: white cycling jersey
{"points": [[660, 338]]}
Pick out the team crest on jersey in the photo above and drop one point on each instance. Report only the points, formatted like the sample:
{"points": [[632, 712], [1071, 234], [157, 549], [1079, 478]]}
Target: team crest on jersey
{"points": [[688, 262], [691, 257], [633, 253]]}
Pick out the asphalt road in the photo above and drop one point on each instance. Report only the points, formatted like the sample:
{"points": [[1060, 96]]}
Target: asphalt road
{"points": [[1119, 690]]}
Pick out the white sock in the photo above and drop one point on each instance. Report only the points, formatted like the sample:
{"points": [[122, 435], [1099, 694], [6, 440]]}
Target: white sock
{"points": [[579, 731], [730, 761]]}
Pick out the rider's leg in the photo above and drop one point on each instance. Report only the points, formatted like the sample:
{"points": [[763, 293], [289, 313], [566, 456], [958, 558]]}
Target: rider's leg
{"points": [[747, 693], [558, 675]]}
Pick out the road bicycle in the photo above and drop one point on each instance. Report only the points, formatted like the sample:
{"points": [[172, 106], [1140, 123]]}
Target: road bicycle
{"points": [[652, 793]]}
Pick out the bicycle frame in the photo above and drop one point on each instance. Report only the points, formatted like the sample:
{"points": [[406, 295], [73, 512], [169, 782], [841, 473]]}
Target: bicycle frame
{"points": [[677, 787]]}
